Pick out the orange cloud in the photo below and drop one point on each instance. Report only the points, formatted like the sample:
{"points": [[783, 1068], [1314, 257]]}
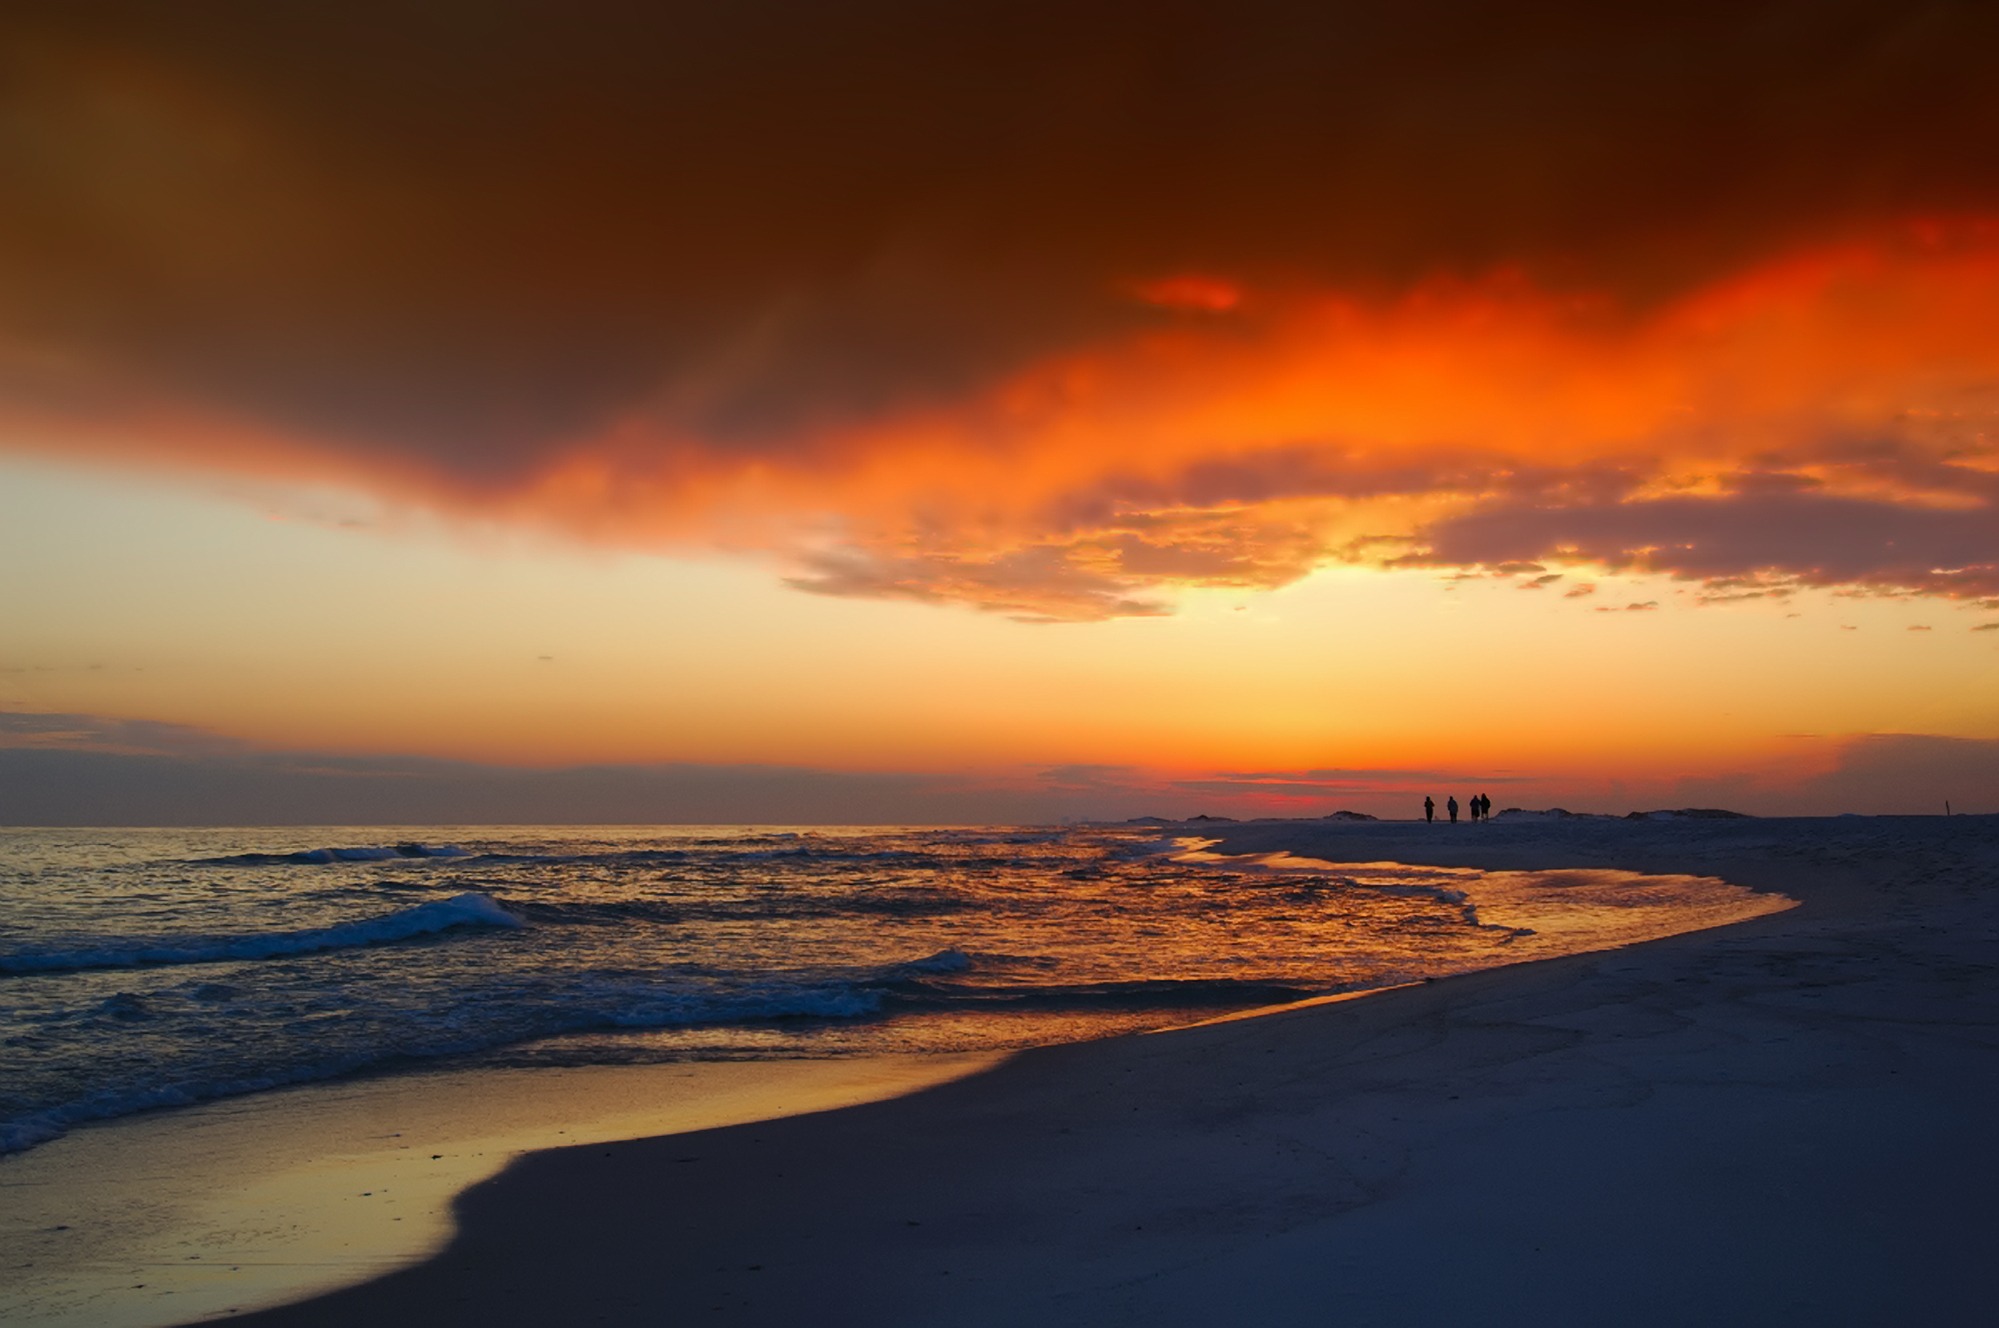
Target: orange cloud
{"points": [[1233, 293], [1190, 292], [1824, 417], [1798, 420]]}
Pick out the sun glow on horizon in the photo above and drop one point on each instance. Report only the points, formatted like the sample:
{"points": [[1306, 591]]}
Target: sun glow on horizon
{"points": [[422, 644]]}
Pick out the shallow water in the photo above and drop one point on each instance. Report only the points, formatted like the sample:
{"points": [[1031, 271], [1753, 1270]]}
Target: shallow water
{"points": [[144, 968]]}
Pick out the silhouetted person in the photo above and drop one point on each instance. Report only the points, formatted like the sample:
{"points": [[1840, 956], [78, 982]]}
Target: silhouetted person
{"points": [[1429, 809], [1484, 808], [1451, 806]]}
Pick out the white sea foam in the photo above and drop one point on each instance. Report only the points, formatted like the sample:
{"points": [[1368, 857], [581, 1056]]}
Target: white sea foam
{"points": [[467, 910], [944, 961], [1443, 894]]}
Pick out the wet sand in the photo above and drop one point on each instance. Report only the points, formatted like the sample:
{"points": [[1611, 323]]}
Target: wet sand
{"points": [[256, 1200]]}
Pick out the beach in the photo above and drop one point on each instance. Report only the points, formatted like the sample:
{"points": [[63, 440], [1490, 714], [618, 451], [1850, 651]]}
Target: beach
{"points": [[1786, 1121], [1780, 1121]]}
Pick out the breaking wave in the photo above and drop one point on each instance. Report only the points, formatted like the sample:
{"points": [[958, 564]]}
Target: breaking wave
{"points": [[466, 910]]}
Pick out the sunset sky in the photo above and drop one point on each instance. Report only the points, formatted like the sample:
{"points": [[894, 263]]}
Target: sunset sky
{"points": [[888, 411]]}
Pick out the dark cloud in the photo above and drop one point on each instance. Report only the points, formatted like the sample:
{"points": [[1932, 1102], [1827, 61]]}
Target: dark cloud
{"points": [[903, 292], [1758, 540], [466, 233]]}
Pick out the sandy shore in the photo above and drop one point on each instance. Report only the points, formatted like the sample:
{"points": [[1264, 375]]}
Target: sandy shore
{"points": [[1783, 1121]]}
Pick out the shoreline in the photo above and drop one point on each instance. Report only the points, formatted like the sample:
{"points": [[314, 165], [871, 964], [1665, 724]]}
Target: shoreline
{"points": [[1050, 1095], [1782, 1120]]}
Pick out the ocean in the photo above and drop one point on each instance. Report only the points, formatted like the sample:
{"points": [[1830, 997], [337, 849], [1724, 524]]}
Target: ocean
{"points": [[150, 968]]}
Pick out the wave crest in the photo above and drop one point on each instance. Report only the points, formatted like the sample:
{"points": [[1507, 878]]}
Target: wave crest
{"points": [[467, 910], [320, 857]]}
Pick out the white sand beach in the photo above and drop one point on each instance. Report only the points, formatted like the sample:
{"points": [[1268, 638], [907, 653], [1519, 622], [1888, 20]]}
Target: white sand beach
{"points": [[1782, 1121]]}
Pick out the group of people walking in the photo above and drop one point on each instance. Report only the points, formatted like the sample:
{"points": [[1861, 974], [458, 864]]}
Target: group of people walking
{"points": [[1481, 808]]}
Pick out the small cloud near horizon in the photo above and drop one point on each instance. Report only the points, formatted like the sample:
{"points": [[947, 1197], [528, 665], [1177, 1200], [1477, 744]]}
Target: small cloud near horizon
{"points": [[80, 732]]}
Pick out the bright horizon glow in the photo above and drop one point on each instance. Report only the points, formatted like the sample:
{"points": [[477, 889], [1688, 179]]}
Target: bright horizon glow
{"points": [[193, 608]]}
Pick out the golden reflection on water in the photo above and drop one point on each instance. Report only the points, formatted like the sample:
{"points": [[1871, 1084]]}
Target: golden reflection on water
{"points": [[166, 1217], [1542, 913]]}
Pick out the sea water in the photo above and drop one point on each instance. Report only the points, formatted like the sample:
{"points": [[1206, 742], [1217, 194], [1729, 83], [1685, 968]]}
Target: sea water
{"points": [[150, 968]]}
